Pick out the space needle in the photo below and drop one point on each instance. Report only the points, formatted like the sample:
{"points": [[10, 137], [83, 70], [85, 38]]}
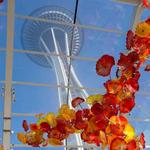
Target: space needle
{"points": [[58, 39]]}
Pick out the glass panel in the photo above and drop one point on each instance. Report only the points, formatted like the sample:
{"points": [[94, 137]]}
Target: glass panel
{"points": [[141, 109], [33, 4], [29, 68], [107, 14], [86, 74], [2, 65], [31, 99], [95, 43], [144, 80], [3, 6], [145, 14], [3, 31]]}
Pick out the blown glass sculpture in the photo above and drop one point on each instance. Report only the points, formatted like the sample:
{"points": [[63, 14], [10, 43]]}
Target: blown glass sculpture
{"points": [[104, 123]]}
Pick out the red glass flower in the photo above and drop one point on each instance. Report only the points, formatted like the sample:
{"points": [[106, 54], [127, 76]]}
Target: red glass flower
{"points": [[113, 86], [142, 140], [110, 99], [1, 1], [104, 65], [128, 60], [77, 101], [127, 104], [34, 127], [147, 68], [118, 144], [132, 145], [25, 125], [101, 121], [45, 127], [129, 40], [97, 109]]}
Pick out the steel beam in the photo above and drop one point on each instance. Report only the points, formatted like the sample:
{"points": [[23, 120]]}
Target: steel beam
{"points": [[8, 84]]}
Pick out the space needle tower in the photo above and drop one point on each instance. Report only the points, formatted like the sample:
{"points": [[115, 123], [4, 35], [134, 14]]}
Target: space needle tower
{"points": [[55, 36]]}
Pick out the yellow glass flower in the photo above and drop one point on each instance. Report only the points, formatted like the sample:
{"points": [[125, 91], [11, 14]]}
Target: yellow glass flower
{"points": [[41, 120], [66, 113], [143, 29], [21, 137], [54, 142], [103, 139], [51, 119], [94, 98], [129, 132], [1, 147]]}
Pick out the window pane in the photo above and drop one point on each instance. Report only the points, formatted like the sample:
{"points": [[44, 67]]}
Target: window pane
{"points": [[107, 14], [31, 99], [3, 31], [2, 65], [3, 6], [34, 4]]}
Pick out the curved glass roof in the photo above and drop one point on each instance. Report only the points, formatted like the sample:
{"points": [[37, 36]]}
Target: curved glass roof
{"points": [[35, 88]]}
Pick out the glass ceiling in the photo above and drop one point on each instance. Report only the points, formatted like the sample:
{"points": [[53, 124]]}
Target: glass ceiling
{"points": [[102, 25]]}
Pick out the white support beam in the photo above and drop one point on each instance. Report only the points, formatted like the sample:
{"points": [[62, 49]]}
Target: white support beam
{"points": [[8, 84], [137, 16], [135, 2]]}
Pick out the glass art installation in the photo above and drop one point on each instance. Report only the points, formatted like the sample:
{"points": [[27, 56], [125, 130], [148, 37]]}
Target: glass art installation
{"points": [[105, 123]]}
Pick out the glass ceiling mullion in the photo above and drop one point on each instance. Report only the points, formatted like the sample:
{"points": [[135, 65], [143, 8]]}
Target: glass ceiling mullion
{"points": [[90, 27], [55, 86]]}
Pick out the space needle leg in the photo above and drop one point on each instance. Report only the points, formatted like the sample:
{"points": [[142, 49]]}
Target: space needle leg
{"points": [[61, 75], [79, 141], [83, 92]]}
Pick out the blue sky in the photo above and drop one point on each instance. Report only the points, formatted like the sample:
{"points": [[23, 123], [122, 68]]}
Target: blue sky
{"points": [[99, 13]]}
